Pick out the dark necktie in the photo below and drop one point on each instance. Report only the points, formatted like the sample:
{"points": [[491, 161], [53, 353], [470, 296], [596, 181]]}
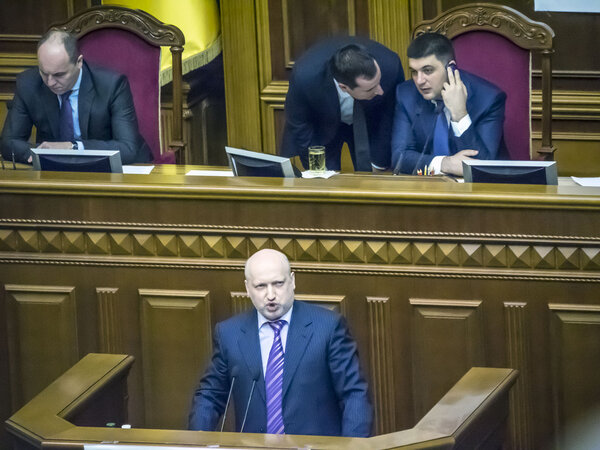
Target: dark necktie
{"points": [[66, 131], [274, 381], [440, 132], [361, 138]]}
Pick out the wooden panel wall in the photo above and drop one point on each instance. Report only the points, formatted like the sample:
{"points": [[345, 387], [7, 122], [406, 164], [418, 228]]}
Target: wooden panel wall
{"points": [[424, 301]]}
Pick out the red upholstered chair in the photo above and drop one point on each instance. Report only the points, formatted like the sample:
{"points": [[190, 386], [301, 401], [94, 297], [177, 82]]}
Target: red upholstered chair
{"points": [[129, 42], [496, 43]]}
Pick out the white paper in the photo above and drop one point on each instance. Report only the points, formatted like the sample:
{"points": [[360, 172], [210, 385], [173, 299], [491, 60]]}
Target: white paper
{"points": [[587, 181], [326, 174], [210, 173], [142, 170], [582, 6]]}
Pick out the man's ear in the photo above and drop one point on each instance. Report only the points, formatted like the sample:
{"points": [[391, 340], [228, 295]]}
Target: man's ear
{"points": [[79, 62], [344, 87]]}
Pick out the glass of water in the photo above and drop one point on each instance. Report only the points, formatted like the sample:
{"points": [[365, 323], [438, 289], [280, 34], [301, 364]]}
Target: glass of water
{"points": [[316, 159]]}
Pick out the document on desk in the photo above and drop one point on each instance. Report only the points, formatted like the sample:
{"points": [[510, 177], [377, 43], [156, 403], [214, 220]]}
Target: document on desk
{"points": [[587, 181], [210, 173], [142, 170]]}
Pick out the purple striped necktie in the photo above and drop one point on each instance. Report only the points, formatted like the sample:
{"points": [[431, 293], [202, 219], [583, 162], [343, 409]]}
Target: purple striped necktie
{"points": [[66, 130], [274, 381]]}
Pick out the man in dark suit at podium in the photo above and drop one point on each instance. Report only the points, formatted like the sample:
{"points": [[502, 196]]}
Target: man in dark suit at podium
{"points": [[72, 105], [343, 90], [292, 365]]}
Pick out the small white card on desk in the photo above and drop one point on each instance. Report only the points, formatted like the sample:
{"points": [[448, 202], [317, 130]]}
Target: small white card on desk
{"points": [[587, 181], [142, 170], [326, 174], [210, 173]]}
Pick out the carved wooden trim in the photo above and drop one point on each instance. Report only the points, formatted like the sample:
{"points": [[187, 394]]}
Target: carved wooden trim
{"points": [[518, 357], [110, 327], [381, 357], [478, 255], [137, 21], [504, 20]]}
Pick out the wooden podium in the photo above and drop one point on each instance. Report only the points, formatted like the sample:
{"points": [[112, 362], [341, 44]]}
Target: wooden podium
{"points": [[78, 407]]}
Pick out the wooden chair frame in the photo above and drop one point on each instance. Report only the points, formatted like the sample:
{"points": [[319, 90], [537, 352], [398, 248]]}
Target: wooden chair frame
{"points": [[152, 31], [519, 29]]}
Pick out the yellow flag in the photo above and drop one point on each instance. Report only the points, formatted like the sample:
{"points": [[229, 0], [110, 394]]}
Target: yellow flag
{"points": [[199, 21]]}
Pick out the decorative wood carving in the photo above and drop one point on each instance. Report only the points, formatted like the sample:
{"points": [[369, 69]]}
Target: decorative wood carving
{"points": [[334, 251], [481, 16], [381, 357], [518, 357], [138, 21], [110, 327]]}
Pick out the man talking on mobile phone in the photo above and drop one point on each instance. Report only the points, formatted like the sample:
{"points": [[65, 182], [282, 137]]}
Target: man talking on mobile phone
{"points": [[444, 115]]}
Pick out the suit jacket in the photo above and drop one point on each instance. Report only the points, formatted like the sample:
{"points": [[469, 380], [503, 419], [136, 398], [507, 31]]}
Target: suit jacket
{"points": [[414, 122], [312, 107], [323, 390], [106, 115]]}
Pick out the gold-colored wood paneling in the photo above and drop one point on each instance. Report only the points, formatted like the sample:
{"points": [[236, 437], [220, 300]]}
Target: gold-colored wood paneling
{"points": [[575, 349], [240, 61], [176, 346], [381, 358], [42, 337], [519, 357], [390, 24], [110, 326], [447, 340]]}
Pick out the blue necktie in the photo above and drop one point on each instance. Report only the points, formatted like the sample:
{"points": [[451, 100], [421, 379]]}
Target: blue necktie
{"points": [[440, 132], [274, 381], [66, 132]]}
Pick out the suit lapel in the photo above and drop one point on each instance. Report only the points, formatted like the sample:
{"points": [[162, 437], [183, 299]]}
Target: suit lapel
{"points": [[249, 346], [299, 336], [86, 98]]}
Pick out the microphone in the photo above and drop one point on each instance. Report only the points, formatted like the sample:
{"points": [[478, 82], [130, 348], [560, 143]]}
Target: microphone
{"points": [[255, 377], [439, 107], [234, 374]]}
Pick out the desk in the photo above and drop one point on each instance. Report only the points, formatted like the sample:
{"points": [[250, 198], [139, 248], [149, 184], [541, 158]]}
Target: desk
{"points": [[433, 277]]}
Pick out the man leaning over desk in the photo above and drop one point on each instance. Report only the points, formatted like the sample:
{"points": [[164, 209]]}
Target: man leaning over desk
{"points": [[72, 105], [444, 115]]}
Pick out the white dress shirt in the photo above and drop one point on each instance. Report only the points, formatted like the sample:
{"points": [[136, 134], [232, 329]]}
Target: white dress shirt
{"points": [[266, 334]]}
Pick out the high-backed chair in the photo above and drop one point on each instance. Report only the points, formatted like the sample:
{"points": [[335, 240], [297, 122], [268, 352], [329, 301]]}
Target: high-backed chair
{"points": [[496, 42], [129, 41]]}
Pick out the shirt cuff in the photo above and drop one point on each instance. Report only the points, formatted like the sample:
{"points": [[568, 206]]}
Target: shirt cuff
{"points": [[436, 165], [461, 126], [379, 167], [80, 145]]}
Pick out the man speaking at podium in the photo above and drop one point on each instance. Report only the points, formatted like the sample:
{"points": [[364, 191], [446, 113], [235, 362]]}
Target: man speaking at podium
{"points": [[291, 367]]}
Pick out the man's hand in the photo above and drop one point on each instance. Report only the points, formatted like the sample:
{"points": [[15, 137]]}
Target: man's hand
{"points": [[453, 164], [454, 94], [56, 145]]}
